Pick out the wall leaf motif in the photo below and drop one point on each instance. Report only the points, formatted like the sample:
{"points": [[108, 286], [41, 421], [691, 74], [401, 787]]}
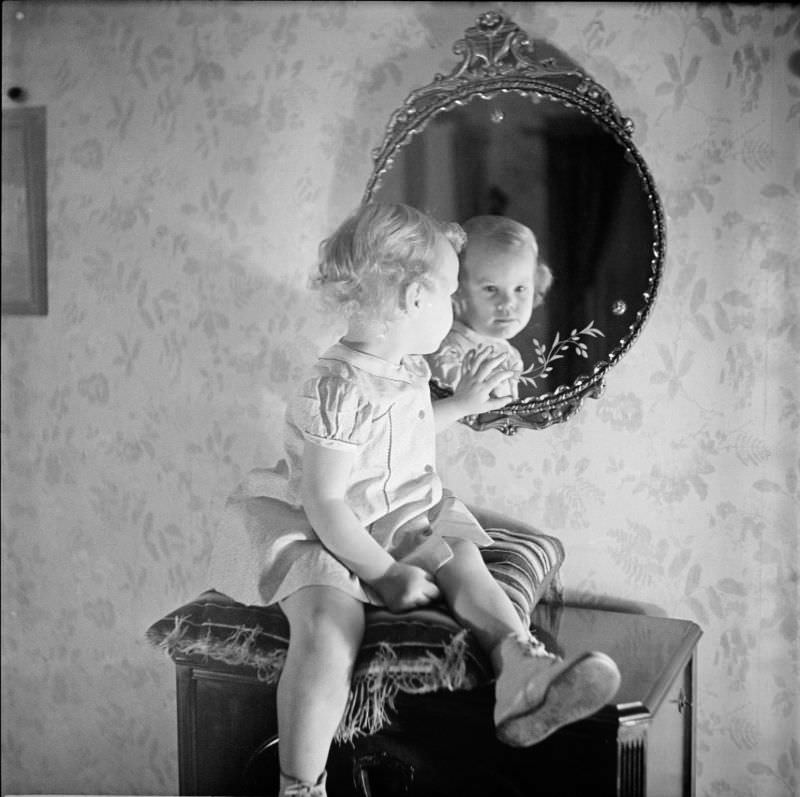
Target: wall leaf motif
{"points": [[678, 83], [794, 110]]}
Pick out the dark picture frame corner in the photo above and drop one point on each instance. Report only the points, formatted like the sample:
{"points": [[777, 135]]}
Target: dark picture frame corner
{"points": [[24, 211]]}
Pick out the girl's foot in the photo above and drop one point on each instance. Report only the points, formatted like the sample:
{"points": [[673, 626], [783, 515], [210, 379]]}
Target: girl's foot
{"points": [[292, 787], [537, 693]]}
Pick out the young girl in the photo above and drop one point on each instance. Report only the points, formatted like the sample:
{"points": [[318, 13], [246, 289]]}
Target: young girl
{"points": [[360, 450], [501, 281]]}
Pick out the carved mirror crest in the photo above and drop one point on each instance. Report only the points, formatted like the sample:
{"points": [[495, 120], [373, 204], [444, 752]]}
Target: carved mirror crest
{"points": [[510, 132]]}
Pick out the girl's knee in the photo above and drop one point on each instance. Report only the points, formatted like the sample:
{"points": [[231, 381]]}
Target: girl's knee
{"points": [[465, 551], [326, 621], [465, 571]]}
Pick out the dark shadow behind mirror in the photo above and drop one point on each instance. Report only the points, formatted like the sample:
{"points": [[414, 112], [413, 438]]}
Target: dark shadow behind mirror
{"points": [[541, 142]]}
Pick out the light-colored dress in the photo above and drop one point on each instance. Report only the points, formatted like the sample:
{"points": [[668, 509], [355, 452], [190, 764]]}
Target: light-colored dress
{"points": [[353, 401], [447, 362]]}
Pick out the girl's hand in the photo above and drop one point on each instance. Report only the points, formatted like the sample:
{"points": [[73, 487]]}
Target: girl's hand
{"points": [[482, 372], [405, 587]]}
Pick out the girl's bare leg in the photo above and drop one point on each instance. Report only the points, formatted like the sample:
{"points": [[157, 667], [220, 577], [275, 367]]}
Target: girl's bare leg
{"points": [[476, 600], [326, 628], [536, 693]]}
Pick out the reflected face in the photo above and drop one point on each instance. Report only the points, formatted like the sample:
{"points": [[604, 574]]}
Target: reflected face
{"points": [[496, 292], [434, 315]]}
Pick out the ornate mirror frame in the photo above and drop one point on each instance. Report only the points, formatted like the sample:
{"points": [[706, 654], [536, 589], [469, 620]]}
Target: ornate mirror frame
{"points": [[498, 57]]}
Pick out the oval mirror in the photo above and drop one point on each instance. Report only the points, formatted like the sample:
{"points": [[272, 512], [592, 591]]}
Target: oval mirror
{"points": [[537, 140]]}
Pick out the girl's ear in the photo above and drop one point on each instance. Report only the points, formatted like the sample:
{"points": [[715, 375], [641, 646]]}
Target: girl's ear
{"points": [[412, 296]]}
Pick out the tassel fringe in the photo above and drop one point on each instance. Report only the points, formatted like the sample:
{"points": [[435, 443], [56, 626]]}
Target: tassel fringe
{"points": [[375, 684], [237, 649]]}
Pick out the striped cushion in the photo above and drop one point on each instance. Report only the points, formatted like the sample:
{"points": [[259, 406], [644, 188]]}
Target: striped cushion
{"points": [[419, 651], [526, 566]]}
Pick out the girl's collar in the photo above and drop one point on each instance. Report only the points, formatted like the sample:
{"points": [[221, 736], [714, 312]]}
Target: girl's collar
{"points": [[371, 363]]}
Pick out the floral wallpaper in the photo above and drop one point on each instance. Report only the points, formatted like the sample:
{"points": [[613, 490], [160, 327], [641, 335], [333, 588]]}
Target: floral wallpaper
{"points": [[197, 153]]}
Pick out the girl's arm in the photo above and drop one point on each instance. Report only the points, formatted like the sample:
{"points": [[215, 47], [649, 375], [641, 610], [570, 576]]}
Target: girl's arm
{"points": [[326, 473], [481, 373]]}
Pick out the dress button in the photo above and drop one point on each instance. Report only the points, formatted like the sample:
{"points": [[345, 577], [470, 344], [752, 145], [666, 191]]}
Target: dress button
{"points": [[429, 469], [421, 414]]}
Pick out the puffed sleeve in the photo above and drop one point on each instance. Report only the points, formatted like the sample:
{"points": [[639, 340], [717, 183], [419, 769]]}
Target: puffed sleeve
{"points": [[331, 411]]}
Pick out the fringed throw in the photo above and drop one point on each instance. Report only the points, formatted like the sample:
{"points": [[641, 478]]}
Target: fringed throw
{"points": [[421, 651]]}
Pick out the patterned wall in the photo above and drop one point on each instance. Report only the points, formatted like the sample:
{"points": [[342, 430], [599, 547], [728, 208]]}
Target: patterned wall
{"points": [[197, 153]]}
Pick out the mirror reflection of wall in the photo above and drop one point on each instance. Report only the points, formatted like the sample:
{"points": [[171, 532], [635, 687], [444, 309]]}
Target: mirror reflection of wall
{"points": [[562, 174]]}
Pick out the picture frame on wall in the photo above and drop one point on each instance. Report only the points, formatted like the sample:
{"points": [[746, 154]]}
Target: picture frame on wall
{"points": [[24, 212]]}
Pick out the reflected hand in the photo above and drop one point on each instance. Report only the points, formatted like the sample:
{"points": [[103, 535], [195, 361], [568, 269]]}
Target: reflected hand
{"points": [[404, 587], [483, 375]]}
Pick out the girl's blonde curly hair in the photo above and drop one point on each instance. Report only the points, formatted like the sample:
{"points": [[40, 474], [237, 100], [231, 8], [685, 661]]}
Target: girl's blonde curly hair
{"points": [[375, 254]]}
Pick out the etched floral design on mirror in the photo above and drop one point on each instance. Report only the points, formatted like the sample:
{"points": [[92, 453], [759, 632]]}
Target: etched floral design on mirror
{"points": [[517, 129]]}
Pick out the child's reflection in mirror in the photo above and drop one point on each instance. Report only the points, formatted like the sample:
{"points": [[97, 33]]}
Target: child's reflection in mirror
{"points": [[501, 280]]}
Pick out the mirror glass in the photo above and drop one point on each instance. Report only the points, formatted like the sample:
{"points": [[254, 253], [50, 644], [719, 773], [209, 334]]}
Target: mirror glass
{"points": [[547, 148]]}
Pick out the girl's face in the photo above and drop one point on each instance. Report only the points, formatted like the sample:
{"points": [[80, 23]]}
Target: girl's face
{"points": [[495, 297], [433, 316]]}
